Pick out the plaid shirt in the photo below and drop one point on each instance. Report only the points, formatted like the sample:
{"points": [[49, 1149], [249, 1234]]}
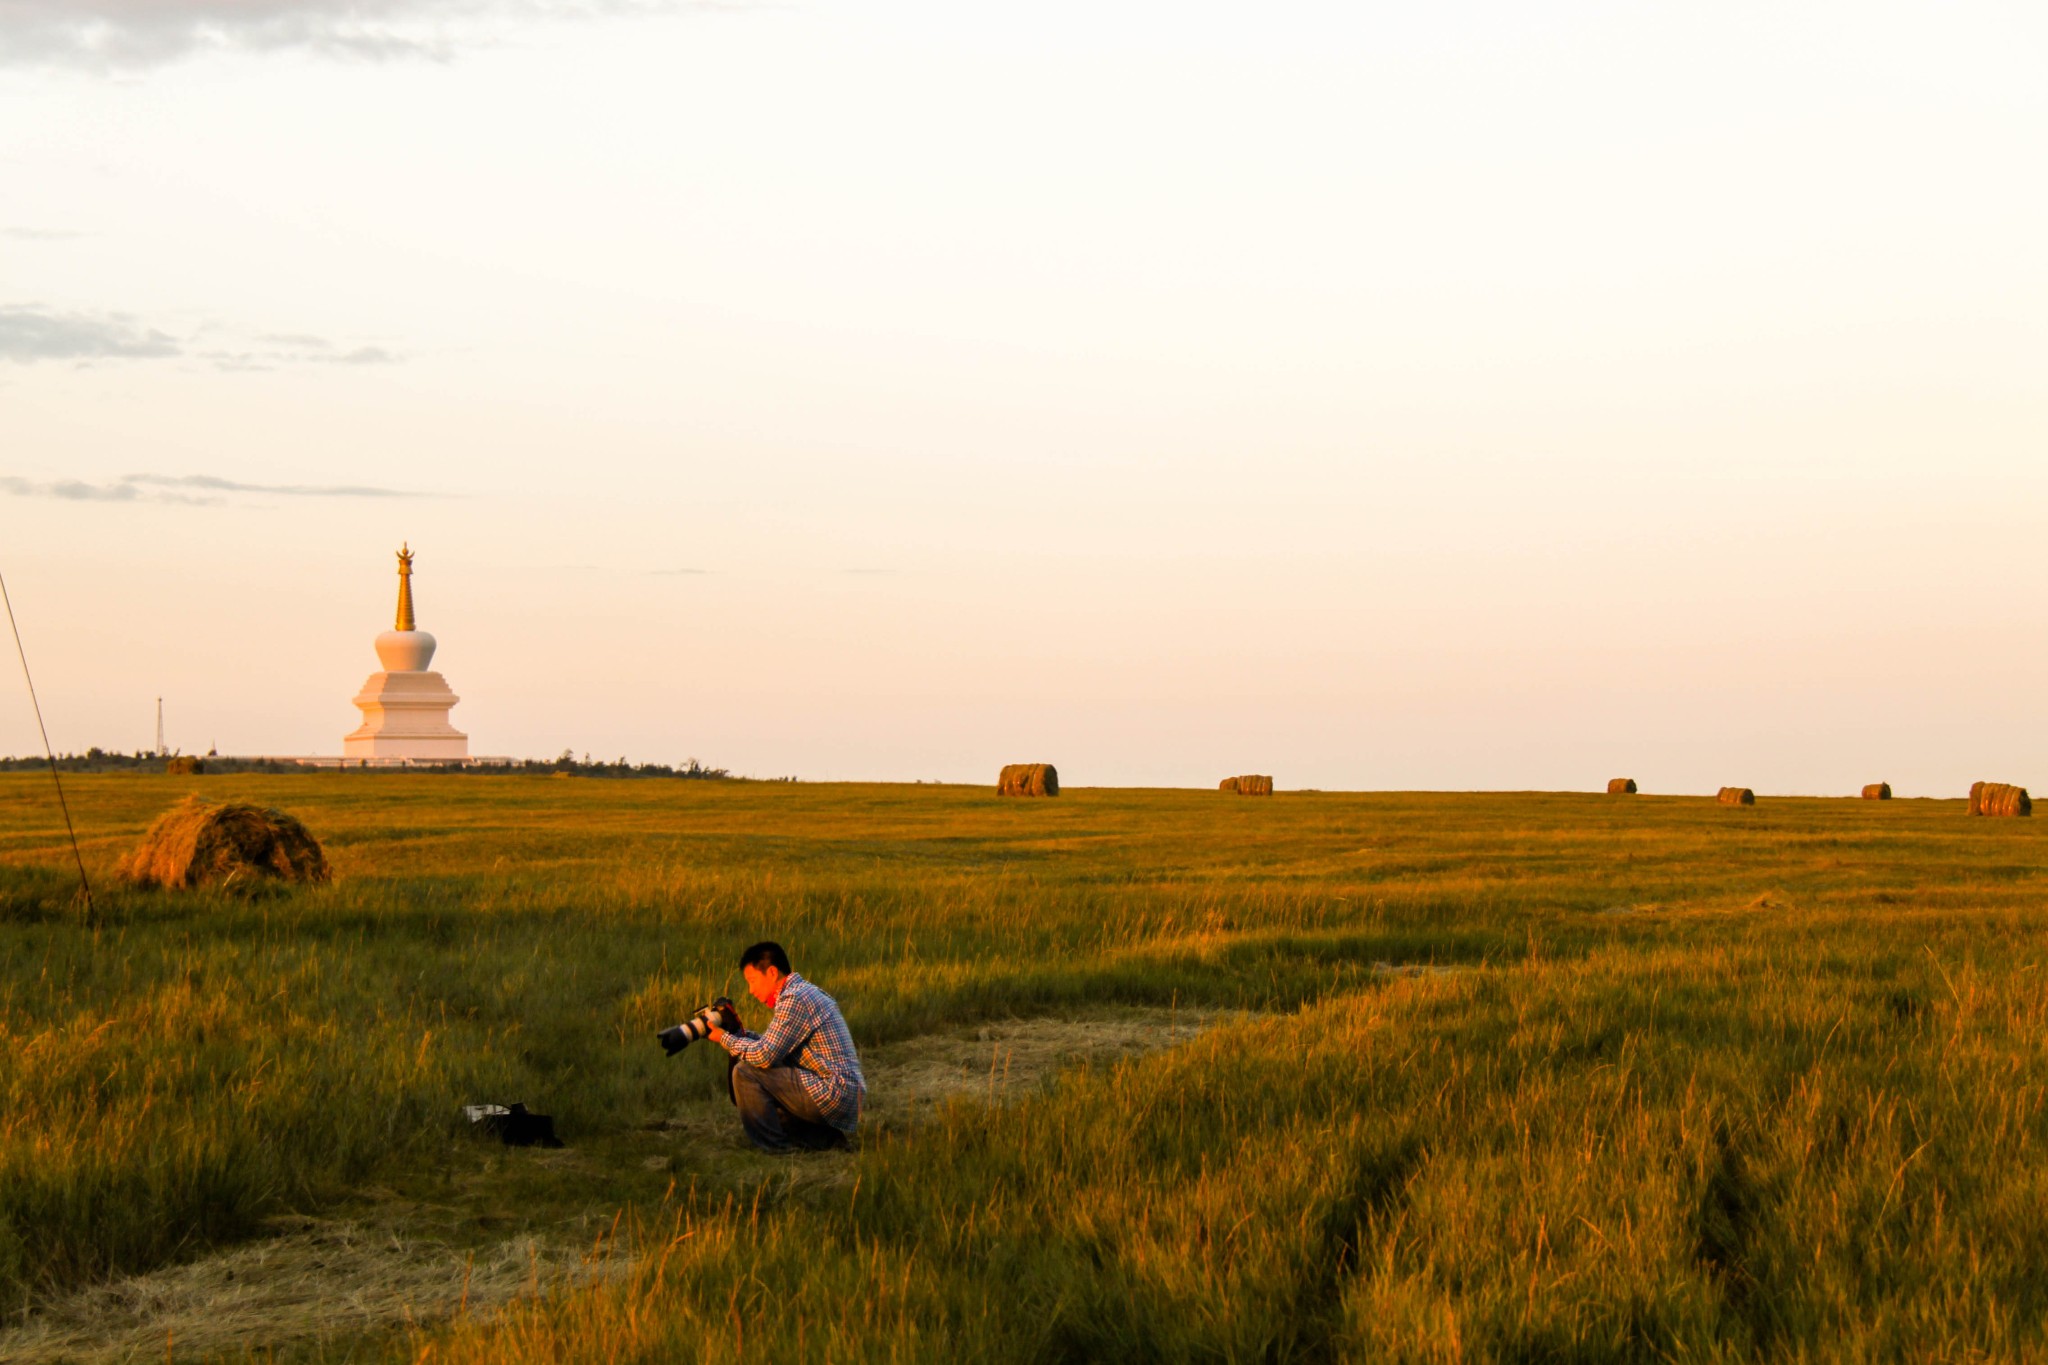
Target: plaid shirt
{"points": [[809, 1033]]}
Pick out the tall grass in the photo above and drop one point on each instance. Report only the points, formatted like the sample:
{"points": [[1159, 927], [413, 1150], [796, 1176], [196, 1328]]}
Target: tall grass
{"points": [[1626, 1159], [1699, 1083]]}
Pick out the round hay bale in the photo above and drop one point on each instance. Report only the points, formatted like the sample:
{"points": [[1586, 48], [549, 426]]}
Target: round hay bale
{"points": [[1028, 779], [1999, 798], [194, 843], [1251, 784], [183, 765], [1878, 791], [1621, 786], [1736, 796]]}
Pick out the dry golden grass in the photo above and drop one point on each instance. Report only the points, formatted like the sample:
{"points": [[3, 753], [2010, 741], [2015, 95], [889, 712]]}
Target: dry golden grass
{"points": [[1491, 1077], [313, 1280]]}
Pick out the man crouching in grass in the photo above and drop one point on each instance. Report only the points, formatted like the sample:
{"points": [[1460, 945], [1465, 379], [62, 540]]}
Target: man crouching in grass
{"points": [[798, 1085]]}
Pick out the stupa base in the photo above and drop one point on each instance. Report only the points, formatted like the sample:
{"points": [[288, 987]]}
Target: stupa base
{"points": [[405, 715], [396, 746]]}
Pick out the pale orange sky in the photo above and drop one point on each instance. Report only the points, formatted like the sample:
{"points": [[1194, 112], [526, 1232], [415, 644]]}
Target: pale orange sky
{"points": [[1471, 398]]}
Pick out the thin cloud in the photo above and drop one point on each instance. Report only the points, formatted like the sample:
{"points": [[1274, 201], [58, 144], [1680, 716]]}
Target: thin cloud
{"points": [[677, 573], [71, 490], [302, 351], [75, 490], [29, 333], [26, 234], [213, 483], [112, 34], [192, 490], [135, 33]]}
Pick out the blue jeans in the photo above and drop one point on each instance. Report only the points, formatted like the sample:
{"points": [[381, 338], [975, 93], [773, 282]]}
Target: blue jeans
{"points": [[778, 1113]]}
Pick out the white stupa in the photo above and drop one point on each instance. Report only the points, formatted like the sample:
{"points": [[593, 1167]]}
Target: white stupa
{"points": [[405, 708]]}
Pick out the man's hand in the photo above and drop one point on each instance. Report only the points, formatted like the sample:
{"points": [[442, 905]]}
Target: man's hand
{"points": [[724, 1018]]}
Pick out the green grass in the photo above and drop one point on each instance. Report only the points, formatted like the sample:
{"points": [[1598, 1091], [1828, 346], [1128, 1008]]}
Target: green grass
{"points": [[1696, 1083]]}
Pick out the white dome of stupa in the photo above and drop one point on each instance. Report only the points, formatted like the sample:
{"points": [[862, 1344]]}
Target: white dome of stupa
{"points": [[405, 651]]}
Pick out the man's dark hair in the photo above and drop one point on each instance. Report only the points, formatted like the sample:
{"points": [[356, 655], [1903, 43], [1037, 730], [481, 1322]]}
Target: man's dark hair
{"points": [[766, 954]]}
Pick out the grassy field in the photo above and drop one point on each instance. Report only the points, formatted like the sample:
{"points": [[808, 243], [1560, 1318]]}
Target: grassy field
{"points": [[1157, 1075]]}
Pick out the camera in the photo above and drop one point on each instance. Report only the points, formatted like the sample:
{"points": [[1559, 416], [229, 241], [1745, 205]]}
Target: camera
{"points": [[720, 1013]]}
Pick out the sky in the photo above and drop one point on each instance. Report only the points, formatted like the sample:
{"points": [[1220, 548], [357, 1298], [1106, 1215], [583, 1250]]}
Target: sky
{"points": [[1479, 395]]}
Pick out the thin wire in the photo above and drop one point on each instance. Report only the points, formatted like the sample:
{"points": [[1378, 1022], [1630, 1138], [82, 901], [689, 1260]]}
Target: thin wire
{"points": [[84, 882]]}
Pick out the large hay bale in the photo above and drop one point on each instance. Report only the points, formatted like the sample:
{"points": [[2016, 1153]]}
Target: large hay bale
{"points": [[194, 843], [2007, 800], [183, 765], [1999, 798], [1028, 779], [1736, 796], [1251, 784], [1878, 791], [1621, 786]]}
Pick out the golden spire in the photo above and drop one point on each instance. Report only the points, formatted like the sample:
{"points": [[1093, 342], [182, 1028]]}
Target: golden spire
{"points": [[405, 588]]}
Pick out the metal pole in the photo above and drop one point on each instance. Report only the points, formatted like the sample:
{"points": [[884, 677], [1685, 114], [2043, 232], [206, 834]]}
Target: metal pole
{"points": [[84, 882]]}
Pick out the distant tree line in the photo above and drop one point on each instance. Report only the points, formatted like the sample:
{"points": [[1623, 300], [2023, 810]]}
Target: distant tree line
{"points": [[571, 766], [98, 760]]}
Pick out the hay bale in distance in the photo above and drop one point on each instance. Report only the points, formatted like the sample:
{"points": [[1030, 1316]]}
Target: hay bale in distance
{"points": [[1736, 796], [1251, 784], [1028, 779], [1621, 786], [1999, 798], [183, 765], [194, 843], [1878, 791]]}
